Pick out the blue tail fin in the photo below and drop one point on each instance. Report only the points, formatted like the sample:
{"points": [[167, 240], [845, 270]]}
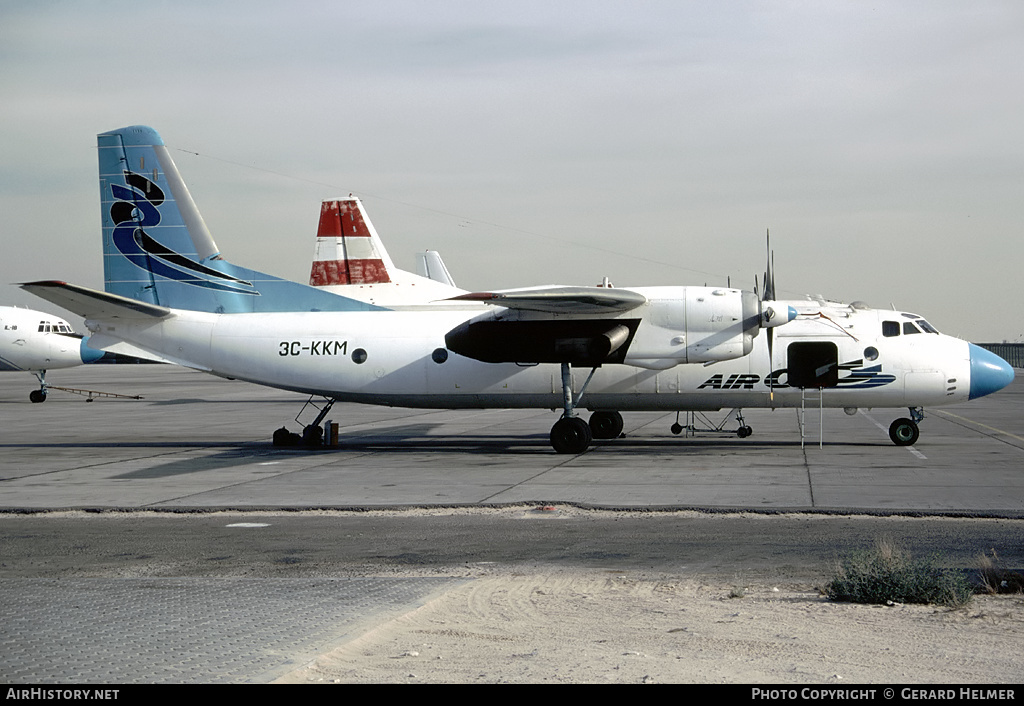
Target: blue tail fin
{"points": [[157, 249]]}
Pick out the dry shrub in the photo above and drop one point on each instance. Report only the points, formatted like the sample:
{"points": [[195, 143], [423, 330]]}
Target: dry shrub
{"points": [[888, 574], [996, 579]]}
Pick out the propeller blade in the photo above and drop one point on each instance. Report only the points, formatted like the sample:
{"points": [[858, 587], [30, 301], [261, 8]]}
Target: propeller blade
{"points": [[769, 295], [769, 272]]}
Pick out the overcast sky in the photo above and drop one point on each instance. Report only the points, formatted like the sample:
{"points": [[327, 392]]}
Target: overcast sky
{"points": [[548, 142]]}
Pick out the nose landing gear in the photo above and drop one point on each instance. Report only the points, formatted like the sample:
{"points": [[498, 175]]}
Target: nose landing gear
{"points": [[905, 432], [40, 394]]}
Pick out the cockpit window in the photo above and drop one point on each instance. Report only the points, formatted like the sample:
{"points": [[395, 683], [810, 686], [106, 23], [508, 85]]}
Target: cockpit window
{"points": [[909, 328], [890, 328], [925, 326], [47, 327]]}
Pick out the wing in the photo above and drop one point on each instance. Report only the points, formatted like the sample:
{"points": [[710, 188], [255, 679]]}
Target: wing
{"points": [[561, 300]]}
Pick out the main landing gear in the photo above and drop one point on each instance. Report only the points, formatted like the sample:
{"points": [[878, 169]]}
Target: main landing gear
{"points": [[606, 425], [572, 435], [905, 432]]}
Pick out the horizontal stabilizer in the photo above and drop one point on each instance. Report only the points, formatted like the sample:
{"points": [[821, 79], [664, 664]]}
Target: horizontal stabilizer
{"points": [[109, 344], [561, 300], [94, 304]]}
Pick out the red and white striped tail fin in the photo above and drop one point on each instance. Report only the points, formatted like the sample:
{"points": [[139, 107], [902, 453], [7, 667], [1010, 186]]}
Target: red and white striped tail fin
{"points": [[348, 249]]}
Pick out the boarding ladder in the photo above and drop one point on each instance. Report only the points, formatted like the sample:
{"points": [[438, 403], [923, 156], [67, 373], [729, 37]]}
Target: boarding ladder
{"points": [[811, 395]]}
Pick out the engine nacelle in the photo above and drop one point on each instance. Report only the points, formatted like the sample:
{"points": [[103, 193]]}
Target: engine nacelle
{"points": [[652, 327], [695, 325], [581, 342]]}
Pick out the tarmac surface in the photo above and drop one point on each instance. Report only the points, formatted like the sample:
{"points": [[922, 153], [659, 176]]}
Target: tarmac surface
{"points": [[195, 441], [251, 587]]}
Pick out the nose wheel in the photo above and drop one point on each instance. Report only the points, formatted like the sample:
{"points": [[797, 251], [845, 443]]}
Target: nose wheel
{"points": [[905, 432], [39, 395]]}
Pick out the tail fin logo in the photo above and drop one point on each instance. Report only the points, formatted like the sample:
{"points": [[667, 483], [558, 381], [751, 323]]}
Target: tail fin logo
{"points": [[136, 208]]}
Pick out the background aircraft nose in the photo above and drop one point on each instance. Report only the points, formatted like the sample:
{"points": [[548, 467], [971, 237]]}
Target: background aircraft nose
{"points": [[88, 354], [989, 372]]}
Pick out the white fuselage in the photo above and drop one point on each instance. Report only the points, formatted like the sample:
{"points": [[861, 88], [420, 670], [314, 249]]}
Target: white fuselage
{"points": [[399, 358]]}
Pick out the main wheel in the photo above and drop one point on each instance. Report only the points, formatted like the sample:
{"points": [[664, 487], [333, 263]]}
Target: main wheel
{"points": [[571, 435], [904, 432], [606, 425]]}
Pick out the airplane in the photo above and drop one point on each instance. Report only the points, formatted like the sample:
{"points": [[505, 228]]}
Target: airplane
{"points": [[170, 293], [350, 259], [34, 341]]}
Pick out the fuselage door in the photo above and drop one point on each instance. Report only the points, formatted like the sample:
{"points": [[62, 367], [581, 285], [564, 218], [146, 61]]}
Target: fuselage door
{"points": [[812, 364]]}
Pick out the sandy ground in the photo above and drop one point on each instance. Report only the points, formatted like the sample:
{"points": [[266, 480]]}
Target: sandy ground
{"points": [[579, 626]]}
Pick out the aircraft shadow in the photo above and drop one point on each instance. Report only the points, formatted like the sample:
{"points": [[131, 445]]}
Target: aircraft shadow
{"points": [[201, 400], [417, 439]]}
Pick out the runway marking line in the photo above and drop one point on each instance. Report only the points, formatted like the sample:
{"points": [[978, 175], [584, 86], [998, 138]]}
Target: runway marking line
{"points": [[979, 424], [911, 449]]}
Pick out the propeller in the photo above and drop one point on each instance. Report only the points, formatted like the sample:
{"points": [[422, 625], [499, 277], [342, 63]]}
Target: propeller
{"points": [[768, 313], [769, 269], [771, 314]]}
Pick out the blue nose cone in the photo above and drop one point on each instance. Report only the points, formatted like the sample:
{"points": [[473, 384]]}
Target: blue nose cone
{"points": [[989, 372], [89, 354]]}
